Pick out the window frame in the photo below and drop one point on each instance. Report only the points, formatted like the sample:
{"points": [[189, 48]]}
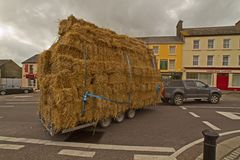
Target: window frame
{"points": [[196, 40], [224, 40], [158, 49], [174, 67], [211, 61], [172, 53], [212, 47], [224, 61], [163, 60], [31, 69], [195, 61]]}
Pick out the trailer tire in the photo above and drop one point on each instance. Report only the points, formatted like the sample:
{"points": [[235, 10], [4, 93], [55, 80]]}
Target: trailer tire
{"points": [[131, 113], [105, 123], [119, 118]]}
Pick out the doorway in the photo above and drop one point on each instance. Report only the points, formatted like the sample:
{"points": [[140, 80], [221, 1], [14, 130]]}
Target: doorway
{"points": [[222, 81]]}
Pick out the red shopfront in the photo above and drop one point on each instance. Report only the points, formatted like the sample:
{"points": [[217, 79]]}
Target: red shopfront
{"points": [[222, 78]]}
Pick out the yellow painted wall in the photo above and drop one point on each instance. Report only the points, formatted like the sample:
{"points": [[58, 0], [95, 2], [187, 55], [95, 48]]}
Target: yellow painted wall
{"points": [[164, 53], [218, 51]]}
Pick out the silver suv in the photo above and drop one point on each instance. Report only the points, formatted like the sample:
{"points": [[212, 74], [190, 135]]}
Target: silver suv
{"points": [[176, 91]]}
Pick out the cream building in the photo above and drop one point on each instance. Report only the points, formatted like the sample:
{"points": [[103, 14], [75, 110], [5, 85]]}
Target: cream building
{"points": [[212, 54], [29, 72]]}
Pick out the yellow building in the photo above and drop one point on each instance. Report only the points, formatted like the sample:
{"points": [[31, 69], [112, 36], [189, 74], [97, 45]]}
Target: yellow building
{"points": [[168, 52], [212, 54]]}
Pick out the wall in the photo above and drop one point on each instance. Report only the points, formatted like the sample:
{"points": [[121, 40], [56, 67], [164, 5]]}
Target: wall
{"points": [[217, 52], [164, 54], [10, 70]]}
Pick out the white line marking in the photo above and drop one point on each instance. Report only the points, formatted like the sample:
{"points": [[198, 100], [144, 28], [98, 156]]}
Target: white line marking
{"points": [[194, 115], [22, 103], [152, 157], [70, 152], [11, 146], [184, 148], [211, 125], [6, 106], [184, 108], [207, 107], [231, 115], [88, 145], [23, 96]]}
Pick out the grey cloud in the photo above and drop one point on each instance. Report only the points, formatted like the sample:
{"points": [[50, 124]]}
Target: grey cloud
{"points": [[35, 23]]}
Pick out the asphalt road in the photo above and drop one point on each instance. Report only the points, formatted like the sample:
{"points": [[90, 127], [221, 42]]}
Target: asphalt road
{"points": [[158, 131]]}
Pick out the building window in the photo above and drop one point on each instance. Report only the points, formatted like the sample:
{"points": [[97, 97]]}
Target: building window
{"points": [[209, 60], [236, 80], [192, 75], [211, 43], [31, 69], [196, 44], [172, 64], [226, 43], [204, 77], [195, 60], [155, 50], [172, 49], [164, 64], [26, 68], [31, 82], [225, 60]]}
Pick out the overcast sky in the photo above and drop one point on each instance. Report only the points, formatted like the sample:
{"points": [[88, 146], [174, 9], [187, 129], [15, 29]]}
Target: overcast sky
{"points": [[28, 27]]}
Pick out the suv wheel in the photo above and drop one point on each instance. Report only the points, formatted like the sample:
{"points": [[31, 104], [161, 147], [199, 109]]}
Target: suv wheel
{"points": [[2, 93], [214, 99], [178, 99]]}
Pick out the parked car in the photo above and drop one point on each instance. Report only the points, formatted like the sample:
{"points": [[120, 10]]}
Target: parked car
{"points": [[6, 90], [176, 91]]}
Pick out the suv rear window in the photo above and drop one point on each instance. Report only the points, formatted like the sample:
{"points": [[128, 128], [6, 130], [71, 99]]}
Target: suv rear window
{"points": [[190, 83], [174, 83]]}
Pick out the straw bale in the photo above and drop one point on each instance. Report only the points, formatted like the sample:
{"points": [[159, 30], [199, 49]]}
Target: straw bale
{"points": [[87, 58]]}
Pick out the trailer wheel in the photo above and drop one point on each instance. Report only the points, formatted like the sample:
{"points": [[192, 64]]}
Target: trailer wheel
{"points": [[105, 123], [131, 113], [119, 118]]}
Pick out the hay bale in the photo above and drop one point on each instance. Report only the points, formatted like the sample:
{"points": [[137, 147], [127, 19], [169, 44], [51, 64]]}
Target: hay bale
{"points": [[89, 58]]}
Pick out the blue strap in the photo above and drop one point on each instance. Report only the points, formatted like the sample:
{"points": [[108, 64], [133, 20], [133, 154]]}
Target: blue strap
{"points": [[88, 94]]}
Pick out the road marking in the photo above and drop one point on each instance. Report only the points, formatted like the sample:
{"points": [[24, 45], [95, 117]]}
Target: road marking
{"points": [[152, 157], [6, 106], [78, 153], [184, 108], [211, 125], [23, 96], [89, 145], [1, 117], [186, 147], [22, 103], [194, 115], [11, 146], [231, 115], [207, 107]]}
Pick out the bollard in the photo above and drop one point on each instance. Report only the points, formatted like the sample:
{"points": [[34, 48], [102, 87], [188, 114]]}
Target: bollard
{"points": [[209, 147]]}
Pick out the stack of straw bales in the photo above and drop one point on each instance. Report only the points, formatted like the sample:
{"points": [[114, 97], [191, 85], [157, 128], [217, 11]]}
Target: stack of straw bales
{"points": [[89, 58]]}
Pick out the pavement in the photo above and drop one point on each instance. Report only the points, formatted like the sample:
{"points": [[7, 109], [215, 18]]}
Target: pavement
{"points": [[163, 132], [227, 150]]}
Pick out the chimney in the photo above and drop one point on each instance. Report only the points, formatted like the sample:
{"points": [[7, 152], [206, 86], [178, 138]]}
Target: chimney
{"points": [[179, 27], [238, 24]]}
